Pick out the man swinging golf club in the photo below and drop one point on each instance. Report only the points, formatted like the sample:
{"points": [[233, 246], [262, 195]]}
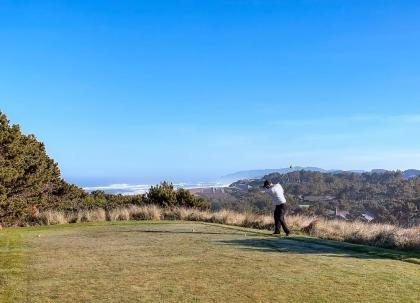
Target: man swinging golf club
{"points": [[276, 193]]}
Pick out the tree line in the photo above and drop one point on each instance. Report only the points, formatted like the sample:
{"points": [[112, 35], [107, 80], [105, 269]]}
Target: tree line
{"points": [[30, 181]]}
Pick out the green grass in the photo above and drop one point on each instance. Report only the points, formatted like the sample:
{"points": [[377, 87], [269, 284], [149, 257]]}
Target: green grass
{"points": [[193, 262], [11, 266]]}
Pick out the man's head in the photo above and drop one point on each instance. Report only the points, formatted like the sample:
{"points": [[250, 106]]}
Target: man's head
{"points": [[268, 183]]}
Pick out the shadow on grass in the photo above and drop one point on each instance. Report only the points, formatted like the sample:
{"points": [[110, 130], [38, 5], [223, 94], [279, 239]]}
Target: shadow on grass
{"points": [[317, 246], [296, 244], [299, 245]]}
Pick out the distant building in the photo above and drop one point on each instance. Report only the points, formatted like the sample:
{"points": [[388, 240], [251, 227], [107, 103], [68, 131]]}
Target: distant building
{"points": [[243, 186], [342, 214], [318, 198], [330, 212], [368, 217]]}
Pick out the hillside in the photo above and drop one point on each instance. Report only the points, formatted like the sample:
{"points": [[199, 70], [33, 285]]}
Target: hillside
{"points": [[381, 196], [259, 173], [411, 173], [193, 262]]}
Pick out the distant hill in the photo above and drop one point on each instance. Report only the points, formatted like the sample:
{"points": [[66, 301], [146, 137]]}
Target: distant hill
{"points": [[411, 173], [387, 196], [259, 173]]}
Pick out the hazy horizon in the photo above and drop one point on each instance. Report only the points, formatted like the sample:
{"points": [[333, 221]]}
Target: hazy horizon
{"points": [[111, 183]]}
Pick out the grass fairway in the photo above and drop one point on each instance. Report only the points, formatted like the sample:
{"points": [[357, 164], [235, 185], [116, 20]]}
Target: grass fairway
{"points": [[191, 262]]}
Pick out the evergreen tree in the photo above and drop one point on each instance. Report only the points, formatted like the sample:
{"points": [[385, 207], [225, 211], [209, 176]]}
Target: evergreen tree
{"points": [[29, 178]]}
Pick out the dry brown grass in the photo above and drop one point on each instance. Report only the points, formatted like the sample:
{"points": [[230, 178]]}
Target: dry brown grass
{"points": [[150, 212], [381, 235], [95, 215], [52, 217], [119, 214]]}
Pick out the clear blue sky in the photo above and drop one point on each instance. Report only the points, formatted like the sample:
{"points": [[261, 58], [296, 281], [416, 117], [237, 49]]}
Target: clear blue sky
{"points": [[141, 90]]}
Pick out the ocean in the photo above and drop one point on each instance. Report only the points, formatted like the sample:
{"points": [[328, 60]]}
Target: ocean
{"points": [[135, 189]]}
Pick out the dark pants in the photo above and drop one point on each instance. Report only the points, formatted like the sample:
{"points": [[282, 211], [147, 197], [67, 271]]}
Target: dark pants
{"points": [[279, 214]]}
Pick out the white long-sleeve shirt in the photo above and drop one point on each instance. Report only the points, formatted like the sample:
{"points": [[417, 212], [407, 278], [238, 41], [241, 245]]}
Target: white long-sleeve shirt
{"points": [[276, 193]]}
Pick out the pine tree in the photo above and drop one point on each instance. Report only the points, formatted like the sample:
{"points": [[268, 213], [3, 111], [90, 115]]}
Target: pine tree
{"points": [[29, 178]]}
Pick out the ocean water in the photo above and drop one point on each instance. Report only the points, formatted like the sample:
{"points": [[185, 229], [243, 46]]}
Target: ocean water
{"points": [[134, 189]]}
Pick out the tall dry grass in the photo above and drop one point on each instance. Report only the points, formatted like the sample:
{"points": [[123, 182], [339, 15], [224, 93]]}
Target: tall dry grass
{"points": [[52, 217], [381, 235]]}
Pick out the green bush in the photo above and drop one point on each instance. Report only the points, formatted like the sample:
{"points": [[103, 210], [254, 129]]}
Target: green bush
{"points": [[101, 199], [165, 195]]}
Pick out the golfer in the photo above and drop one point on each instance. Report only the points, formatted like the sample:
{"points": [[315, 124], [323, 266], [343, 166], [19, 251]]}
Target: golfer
{"points": [[276, 193]]}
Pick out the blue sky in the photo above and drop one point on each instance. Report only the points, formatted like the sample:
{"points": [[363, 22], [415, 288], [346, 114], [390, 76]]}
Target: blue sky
{"points": [[184, 90]]}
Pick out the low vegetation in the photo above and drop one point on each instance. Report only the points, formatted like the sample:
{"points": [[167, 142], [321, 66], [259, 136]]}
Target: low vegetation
{"points": [[375, 234]]}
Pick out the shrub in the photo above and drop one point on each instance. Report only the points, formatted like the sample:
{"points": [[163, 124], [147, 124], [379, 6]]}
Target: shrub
{"points": [[185, 198], [162, 195], [165, 195], [92, 215], [146, 212], [119, 214], [51, 217]]}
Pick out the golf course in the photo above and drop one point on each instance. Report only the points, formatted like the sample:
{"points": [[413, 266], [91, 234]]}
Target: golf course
{"points": [[180, 261]]}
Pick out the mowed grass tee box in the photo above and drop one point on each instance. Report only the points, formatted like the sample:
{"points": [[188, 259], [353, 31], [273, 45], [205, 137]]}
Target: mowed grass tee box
{"points": [[190, 262]]}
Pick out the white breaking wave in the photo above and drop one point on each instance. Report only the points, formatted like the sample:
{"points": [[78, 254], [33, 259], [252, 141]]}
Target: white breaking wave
{"points": [[136, 189]]}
